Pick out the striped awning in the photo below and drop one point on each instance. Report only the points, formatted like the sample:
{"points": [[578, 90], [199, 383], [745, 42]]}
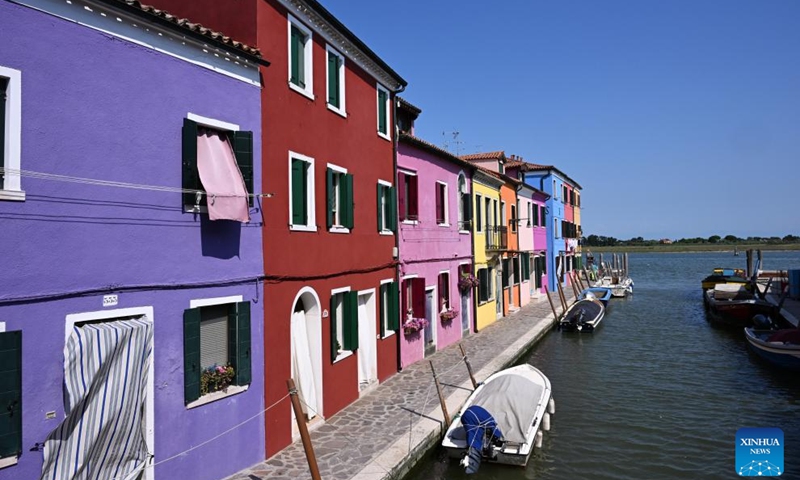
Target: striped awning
{"points": [[105, 379]]}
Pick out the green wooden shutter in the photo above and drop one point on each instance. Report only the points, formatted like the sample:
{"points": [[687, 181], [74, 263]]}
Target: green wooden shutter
{"points": [[299, 171], [392, 209], [334, 334], [384, 307], [239, 338], [190, 180], [382, 124], [394, 304], [10, 394], [191, 355], [298, 57], [347, 208], [243, 148], [381, 209], [333, 80], [350, 323], [331, 190]]}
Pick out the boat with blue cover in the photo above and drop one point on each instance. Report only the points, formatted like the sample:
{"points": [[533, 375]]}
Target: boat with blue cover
{"points": [[502, 421], [601, 293]]}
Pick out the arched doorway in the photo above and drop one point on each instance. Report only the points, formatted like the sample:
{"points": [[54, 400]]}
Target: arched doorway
{"points": [[306, 337]]}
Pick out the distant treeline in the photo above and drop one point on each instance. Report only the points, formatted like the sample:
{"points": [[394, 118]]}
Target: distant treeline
{"points": [[603, 241]]}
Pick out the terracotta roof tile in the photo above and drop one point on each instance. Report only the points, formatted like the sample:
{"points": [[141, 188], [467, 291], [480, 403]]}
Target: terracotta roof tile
{"points": [[188, 25], [485, 156], [425, 145], [409, 106]]}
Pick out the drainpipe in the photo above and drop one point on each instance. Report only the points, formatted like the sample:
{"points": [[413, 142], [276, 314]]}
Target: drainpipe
{"points": [[395, 141], [474, 303]]}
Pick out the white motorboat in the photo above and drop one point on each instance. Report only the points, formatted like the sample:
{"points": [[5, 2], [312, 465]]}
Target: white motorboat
{"points": [[502, 420]]}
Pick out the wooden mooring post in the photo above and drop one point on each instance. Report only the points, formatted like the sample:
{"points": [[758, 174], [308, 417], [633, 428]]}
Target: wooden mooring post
{"points": [[552, 305], [301, 425], [441, 398], [561, 297], [749, 254], [469, 366], [574, 285]]}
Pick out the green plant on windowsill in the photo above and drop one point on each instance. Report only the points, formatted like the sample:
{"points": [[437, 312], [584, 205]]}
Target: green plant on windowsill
{"points": [[338, 348], [216, 378]]}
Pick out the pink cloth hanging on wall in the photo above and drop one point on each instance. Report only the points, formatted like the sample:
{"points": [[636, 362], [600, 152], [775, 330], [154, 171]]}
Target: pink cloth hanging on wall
{"points": [[221, 178]]}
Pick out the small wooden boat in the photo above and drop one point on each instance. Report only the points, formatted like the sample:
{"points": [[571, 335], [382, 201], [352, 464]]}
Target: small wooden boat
{"points": [[601, 293], [583, 316], [779, 347], [732, 305], [734, 276], [620, 287], [502, 420]]}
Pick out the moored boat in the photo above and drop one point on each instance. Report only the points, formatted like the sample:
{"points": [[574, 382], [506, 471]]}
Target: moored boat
{"points": [[601, 293], [620, 287], [734, 306], [583, 316], [779, 347], [735, 276], [502, 420]]}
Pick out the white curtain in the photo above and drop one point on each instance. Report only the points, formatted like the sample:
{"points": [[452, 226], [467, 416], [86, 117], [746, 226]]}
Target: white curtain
{"points": [[366, 343], [301, 365]]}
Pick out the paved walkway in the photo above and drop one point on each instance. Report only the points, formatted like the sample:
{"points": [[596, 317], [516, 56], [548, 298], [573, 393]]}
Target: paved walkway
{"points": [[384, 433]]}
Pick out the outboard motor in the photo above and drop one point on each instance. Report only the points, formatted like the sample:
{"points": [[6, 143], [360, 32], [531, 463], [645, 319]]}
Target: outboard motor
{"points": [[762, 322], [482, 433]]}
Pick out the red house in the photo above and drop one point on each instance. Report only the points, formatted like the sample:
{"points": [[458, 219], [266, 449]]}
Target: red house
{"points": [[330, 294]]}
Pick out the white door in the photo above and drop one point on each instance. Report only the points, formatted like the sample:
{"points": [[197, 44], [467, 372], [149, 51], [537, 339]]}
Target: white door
{"points": [[466, 311], [367, 342], [302, 368], [430, 314]]}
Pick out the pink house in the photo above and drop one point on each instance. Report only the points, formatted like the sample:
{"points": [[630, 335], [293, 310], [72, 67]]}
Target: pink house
{"points": [[435, 241]]}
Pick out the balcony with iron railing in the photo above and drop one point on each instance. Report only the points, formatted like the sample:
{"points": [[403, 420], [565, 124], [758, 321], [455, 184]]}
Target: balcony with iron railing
{"points": [[496, 238]]}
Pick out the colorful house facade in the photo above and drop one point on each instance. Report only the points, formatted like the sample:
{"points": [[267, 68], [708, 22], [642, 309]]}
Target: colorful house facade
{"points": [[331, 294], [487, 243], [510, 256], [132, 256], [434, 190]]}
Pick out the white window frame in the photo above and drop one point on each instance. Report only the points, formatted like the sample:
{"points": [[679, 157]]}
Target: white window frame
{"points": [[479, 203], [555, 189], [11, 189], [503, 218], [107, 315], [233, 389], [384, 230], [219, 125], [308, 60], [386, 332], [555, 228], [388, 134], [341, 110], [337, 227], [340, 326], [310, 197], [439, 294], [461, 213], [409, 173], [445, 206]]}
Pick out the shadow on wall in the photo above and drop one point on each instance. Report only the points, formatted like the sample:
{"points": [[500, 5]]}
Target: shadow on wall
{"points": [[220, 238]]}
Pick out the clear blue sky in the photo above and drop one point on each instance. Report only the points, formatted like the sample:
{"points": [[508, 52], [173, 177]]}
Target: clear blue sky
{"points": [[679, 118]]}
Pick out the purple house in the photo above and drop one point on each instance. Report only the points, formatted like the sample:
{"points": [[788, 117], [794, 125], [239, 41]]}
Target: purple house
{"points": [[131, 245], [435, 242]]}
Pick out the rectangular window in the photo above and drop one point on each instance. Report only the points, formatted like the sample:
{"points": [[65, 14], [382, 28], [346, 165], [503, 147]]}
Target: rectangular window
{"points": [[387, 219], [215, 336], [383, 112], [413, 301], [408, 196], [10, 134], [465, 205], [555, 190], [542, 215], [344, 323], [488, 209], [340, 199], [389, 308], [565, 192], [513, 218], [336, 76], [525, 262], [478, 215], [10, 396], [517, 270], [483, 285], [502, 214], [301, 78], [535, 212], [530, 214], [214, 146], [555, 228], [506, 272], [441, 204], [444, 291], [301, 189]]}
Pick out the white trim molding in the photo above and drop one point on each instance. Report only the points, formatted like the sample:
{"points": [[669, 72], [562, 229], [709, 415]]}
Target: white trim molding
{"points": [[100, 16], [208, 302], [212, 122], [11, 188], [388, 110], [311, 225], [308, 57], [342, 108]]}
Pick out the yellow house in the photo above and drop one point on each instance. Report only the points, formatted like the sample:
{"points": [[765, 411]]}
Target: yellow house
{"points": [[577, 221], [486, 232]]}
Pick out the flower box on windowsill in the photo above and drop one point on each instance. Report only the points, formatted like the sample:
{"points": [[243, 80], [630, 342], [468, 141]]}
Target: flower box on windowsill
{"points": [[414, 325], [467, 282], [216, 378], [448, 315]]}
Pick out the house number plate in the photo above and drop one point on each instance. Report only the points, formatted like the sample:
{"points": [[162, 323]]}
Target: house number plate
{"points": [[110, 300]]}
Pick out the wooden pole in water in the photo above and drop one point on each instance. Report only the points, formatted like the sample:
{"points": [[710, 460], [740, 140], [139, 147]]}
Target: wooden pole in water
{"points": [[586, 275], [749, 254], [469, 367], [301, 425], [441, 398], [574, 285], [626, 265], [601, 264], [552, 305], [562, 297]]}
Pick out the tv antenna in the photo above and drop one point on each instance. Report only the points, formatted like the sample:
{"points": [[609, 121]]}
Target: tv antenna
{"points": [[456, 142]]}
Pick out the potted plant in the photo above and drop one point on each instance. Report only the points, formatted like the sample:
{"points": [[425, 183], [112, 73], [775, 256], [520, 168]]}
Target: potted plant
{"points": [[216, 378], [414, 325], [448, 314], [467, 282]]}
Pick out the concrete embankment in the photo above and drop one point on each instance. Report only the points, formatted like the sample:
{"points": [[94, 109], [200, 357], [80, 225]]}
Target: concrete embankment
{"points": [[385, 433]]}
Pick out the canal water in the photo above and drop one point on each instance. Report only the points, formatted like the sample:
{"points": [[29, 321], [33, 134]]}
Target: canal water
{"points": [[656, 392]]}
